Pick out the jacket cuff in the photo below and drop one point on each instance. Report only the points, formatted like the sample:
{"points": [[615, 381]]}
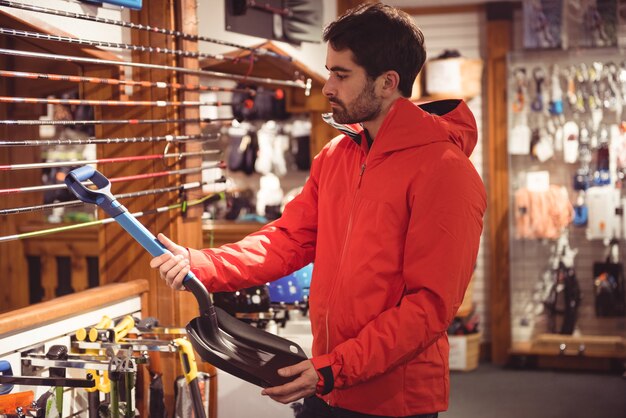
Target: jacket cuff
{"points": [[326, 381], [201, 266]]}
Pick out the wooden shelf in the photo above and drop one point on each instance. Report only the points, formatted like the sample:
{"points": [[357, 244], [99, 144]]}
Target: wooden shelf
{"points": [[595, 346]]}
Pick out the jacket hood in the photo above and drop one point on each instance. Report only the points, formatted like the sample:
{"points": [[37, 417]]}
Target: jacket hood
{"points": [[408, 125]]}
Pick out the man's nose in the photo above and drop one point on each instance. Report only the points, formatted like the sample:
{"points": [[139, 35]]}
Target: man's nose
{"points": [[328, 90]]}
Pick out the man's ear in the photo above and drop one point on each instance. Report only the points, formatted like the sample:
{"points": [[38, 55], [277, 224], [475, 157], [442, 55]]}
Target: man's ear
{"points": [[390, 82]]}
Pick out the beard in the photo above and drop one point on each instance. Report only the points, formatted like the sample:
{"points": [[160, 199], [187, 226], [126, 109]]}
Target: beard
{"points": [[364, 108]]}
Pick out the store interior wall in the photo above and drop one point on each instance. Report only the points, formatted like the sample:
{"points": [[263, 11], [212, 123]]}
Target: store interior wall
{"points": [[464, 31], [530, 259]]}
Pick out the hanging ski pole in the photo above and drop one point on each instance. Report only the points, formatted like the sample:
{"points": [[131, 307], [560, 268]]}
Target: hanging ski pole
{"points": [[37, 122], [65, 228], [83, 102], [133, 83], [54, 164], [69, 58], [130, 25], [166, 138], [114, 45], [113, 180]]}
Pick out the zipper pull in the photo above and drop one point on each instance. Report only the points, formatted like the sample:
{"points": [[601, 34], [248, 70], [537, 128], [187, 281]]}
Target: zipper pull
{"points": [[361, 174]]}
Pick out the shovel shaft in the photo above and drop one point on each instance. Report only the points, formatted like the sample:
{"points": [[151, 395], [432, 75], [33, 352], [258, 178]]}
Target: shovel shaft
{"points": [[155, 248]]}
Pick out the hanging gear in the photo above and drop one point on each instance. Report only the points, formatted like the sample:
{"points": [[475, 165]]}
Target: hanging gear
{"points": [[563, 300], [609, 284]]}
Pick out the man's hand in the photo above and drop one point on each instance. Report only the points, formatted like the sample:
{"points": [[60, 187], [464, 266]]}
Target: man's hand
{"points": [[302, 387], [172, 267]]}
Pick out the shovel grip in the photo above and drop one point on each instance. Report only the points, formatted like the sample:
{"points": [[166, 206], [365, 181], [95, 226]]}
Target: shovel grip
{"points": [[101, 196]]}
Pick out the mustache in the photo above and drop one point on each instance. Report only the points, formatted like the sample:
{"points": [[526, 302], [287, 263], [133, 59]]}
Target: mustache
{"points": [[337, 101]]}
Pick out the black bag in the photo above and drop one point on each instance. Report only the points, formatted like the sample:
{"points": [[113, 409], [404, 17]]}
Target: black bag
{"points": [[243, 103], [563, 301], [608, 281], [242, 153], [258, 104]]}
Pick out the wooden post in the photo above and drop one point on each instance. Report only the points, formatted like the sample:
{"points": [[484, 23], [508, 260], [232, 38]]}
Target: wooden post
{"points": [[188, 228], [499, 27]]}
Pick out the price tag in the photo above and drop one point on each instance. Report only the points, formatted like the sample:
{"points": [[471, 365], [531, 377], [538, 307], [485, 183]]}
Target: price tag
{"points": [[538, 181]]}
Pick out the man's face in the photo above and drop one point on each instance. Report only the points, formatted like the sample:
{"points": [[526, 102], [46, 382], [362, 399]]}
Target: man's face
{"points": [[351, 93]]}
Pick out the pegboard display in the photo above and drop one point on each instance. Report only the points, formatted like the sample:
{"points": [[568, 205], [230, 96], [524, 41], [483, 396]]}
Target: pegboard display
{"points": [[566, 146]]}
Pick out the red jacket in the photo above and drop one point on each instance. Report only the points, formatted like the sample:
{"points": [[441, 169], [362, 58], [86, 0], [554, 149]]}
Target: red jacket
{"points": [[394, 235]]}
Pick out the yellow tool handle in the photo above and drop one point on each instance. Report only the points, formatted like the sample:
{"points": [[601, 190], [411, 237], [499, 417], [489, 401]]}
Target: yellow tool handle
{"points": [[96, 379], [103, 384], [123, 327], [82, 333], [187, 359]]}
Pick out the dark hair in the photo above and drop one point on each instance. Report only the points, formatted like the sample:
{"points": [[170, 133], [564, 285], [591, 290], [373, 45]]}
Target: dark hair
{"points": [[382, 38]]}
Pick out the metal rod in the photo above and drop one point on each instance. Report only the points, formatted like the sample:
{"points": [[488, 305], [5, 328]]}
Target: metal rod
{"points": [[85, 102], [30, 122], [113, 180], [115, 45], [102, 365], [69, 58], [186, 36], [116, 82], [54, 164], [167, 138], [101, 222], [47, 381], [72, 203]]}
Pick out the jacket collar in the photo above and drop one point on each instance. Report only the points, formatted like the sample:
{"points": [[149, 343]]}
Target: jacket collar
{"points": [[408, 125]]}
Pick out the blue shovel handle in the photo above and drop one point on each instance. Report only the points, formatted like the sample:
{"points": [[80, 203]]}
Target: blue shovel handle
{"points": [[103, 198]]}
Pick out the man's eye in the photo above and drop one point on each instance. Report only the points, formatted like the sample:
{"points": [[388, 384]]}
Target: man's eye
{"points": [[341, 76]]}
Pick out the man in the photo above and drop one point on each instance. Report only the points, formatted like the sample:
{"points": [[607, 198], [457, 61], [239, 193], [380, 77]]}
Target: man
{"points": [[391, 216]]}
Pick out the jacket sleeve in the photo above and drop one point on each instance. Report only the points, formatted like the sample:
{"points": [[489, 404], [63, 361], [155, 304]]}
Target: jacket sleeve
{"points": [[441, 247], [279, 248]]}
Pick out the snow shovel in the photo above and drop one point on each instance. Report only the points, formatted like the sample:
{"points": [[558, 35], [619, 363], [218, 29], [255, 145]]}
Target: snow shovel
{"points": [[227, 343]]}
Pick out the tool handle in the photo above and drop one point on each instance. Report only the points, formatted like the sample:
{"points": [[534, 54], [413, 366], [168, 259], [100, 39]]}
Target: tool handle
{"points": [[187, 358], [92, 333], [190, 369], [104, 199], [105, 322], [155, 248], [5, 370], [122, 328], [101, 196]]}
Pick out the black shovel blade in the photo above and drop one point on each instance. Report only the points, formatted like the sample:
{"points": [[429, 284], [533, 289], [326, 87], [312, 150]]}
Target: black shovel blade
{"points": [[242, 350]]}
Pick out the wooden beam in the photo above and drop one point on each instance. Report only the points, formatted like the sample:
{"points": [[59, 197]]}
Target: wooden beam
{"points": [[70, 305], [344, 5], [499, 41]]}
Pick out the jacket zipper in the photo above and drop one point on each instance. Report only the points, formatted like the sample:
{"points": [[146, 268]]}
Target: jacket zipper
{"points": [[343, 251]]}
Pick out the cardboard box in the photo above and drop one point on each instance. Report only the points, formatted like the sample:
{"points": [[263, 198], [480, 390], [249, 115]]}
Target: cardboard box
{"points": [[464, 351], [454, 77]]}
